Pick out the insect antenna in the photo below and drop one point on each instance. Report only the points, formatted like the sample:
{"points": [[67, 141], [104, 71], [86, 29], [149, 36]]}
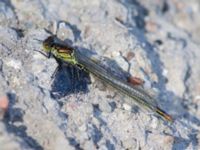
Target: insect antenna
{"points": [[38, 40], [48, 31]]}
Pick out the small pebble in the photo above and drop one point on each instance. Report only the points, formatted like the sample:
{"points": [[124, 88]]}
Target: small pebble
{"points": [[4, 102], [104, 106], [89, 145], [126, 107], [130, 55], [83, 127], [129, 143], [151, 26], [16, 64]]}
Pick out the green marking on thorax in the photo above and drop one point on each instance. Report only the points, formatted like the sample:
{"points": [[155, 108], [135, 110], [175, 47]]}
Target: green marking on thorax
{"points": [[70, 58]]}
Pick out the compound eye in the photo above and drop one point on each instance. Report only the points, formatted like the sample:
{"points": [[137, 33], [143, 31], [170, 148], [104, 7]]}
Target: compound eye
{"points": [[50, 39]]}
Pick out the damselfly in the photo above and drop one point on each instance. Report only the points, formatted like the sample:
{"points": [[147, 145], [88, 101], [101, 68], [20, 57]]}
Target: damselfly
{"points": [[67, 54]]}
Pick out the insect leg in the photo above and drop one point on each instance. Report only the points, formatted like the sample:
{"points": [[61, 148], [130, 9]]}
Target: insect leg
{"points": [[57, 68], [44, 54]]}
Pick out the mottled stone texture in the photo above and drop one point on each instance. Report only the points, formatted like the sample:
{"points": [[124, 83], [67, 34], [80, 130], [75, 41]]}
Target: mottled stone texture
{"points": [[157, 41]]}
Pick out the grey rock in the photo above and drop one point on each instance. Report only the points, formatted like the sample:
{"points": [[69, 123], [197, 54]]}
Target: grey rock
{"points": [[46, 113]]}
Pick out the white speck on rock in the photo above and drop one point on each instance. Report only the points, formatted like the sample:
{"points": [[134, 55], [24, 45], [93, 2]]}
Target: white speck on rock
{"points": [[127, 107], [16, 64]]}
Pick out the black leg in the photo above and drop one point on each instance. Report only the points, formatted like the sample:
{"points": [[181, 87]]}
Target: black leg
{"points": [[44, 54], [73, 78], [48, 31], [56, 70], [58, 67]]}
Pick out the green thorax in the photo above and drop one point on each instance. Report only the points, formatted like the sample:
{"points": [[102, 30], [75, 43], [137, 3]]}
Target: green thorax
{"points": [[65, 54]]}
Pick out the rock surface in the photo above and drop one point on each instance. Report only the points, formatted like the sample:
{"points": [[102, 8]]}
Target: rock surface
{"points": [[156, 41]]}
